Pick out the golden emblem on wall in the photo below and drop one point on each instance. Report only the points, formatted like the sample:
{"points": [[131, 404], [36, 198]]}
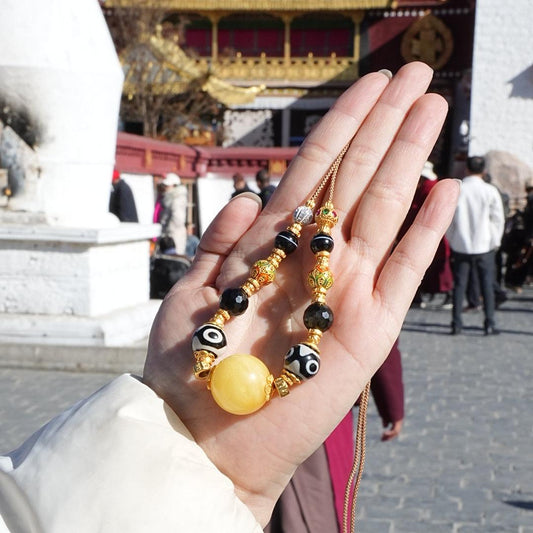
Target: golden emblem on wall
{"points": [[428, 40]]}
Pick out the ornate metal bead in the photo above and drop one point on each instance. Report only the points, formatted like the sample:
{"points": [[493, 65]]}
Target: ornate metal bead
{"points": [[318, 316], [234, 301], [210, 338], [286, 241], [263, 272], [320, 278], [326, 217], [322, 242], [303, 215], [303, 361]]}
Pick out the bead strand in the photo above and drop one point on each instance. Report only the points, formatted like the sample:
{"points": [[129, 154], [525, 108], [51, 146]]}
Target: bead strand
{"points": [[241, 383], [303, 360], [209, 339]]}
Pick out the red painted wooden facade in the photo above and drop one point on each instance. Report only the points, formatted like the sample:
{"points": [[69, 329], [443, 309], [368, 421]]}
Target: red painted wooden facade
{"points": [[142, 155]]}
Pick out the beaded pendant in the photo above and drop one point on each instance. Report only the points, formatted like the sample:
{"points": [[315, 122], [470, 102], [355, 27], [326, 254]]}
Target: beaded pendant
{"points": [[241, 383]]}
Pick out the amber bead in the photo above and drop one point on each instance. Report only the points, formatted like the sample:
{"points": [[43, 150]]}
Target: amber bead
{"points": [[240, 384]]}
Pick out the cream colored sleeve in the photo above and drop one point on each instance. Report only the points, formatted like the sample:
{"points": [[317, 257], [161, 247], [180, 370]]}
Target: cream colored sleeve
{"points": [[122, 461]]}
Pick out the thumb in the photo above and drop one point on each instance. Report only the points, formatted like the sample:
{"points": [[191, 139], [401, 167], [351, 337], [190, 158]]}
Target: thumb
{"points": [[231, 223]]}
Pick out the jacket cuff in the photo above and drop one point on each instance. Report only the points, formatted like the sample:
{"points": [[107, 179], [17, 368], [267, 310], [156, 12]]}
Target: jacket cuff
{"points": [[121, 460]]}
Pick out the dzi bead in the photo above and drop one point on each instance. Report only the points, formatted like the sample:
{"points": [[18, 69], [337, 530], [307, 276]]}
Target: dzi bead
{"points": [[303, 361], [210, 338], [318, 316], [234, 301], [322, 242], [286, 241]]}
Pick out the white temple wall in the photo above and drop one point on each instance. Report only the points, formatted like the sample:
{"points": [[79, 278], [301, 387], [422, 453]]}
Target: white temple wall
{"points": [[501, 116]]}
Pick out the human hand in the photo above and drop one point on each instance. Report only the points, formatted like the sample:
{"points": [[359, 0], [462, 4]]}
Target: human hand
{"points": [[392, 430], [394, 126]]}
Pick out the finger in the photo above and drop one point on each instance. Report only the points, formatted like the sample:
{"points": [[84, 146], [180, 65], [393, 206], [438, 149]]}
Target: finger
{"points": [[377, 133], [402, 273], [221, 237], [326, 140], [386, 201]]}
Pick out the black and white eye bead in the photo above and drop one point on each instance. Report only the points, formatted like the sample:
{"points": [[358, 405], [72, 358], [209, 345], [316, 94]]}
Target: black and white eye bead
{"points": [[303, 361], [210, 338]]}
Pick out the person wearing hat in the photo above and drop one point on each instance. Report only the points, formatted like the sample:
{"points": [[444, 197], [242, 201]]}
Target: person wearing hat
{"points": [[121, 200], [174, 211]]}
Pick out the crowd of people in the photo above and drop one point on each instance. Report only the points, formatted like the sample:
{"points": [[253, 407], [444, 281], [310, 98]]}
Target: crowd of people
{"points": [[485, 251]]}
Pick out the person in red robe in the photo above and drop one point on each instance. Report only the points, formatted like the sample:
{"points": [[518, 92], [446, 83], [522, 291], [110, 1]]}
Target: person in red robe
{"points": [[438, 278]]}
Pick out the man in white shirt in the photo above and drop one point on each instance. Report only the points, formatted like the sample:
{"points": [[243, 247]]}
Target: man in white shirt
{"points": [[474, 236]]}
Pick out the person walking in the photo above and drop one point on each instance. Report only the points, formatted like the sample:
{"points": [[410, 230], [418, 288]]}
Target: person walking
{"points": [[121, 200], [174, 211], [266, 189], [474, 236], [239, 184]]}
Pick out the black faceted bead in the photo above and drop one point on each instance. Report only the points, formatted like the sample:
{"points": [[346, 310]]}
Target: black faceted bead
{"points": [[286, 241], [322, 242], [318, 316], [234, 301]]}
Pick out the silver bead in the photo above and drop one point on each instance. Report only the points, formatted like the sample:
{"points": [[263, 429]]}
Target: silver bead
{"points": [[303, 215]]}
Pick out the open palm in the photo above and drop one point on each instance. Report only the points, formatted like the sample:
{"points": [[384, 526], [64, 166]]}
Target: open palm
{"points": [[394, 125]]}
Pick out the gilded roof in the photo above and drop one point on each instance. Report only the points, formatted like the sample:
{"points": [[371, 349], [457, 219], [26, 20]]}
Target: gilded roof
{"points": [[256, 5]]}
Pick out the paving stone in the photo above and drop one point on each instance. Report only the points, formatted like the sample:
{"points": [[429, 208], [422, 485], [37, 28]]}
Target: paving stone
{"points": [[464, 461]]}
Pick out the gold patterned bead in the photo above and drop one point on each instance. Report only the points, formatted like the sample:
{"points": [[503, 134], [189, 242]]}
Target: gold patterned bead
{"points": [[320, 278], [263, 272], [204, 364]]}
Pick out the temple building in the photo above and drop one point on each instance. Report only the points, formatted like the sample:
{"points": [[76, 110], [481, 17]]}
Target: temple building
{"points": [[299, 56], [278, 65]]}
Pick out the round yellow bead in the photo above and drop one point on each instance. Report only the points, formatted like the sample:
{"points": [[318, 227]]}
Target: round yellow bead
{"points": [[239, 384]]}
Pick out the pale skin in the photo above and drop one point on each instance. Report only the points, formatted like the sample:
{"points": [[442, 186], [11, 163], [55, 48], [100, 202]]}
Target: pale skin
{"points": [[394, 125]]}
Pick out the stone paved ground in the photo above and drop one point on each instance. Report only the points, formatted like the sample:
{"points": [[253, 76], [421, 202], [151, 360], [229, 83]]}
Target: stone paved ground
{"points": [[464, 462]]}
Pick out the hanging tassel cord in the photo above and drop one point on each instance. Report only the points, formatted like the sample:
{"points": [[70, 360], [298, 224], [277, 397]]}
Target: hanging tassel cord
{"points": [[356, 473]]}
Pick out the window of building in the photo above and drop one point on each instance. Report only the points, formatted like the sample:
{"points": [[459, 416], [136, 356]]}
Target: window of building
{"points": [[251, 35], [322, 35]]}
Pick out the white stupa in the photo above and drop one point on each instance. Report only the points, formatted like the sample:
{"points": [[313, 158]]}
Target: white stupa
{"points": [[70, 272]]}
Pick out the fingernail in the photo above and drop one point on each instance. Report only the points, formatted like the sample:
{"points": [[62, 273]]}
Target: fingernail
{"points": [[251, 195], [458, 181], [386, 72]]}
